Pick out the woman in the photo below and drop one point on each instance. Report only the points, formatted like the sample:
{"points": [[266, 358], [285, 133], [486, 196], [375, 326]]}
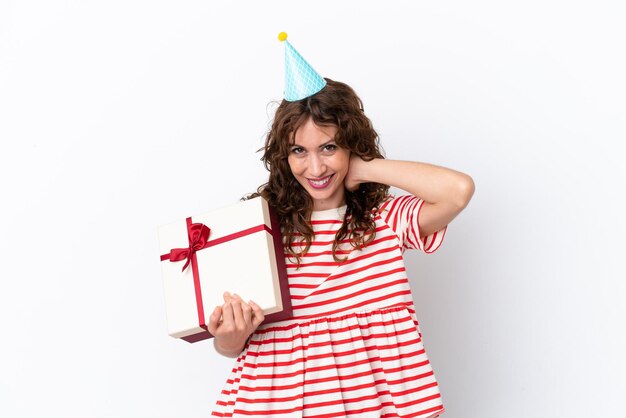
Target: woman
{"points": [[353, 346]]}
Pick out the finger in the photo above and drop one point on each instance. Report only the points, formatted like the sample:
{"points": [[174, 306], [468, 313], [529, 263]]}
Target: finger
{"points": [[247, 313], [258, 314], [238, 313], [226, 297], [214, 320], [227, 314], [246, 310]]}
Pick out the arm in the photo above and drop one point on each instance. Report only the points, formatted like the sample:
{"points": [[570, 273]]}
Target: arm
{"points": [[238, 321], [445, 192]]}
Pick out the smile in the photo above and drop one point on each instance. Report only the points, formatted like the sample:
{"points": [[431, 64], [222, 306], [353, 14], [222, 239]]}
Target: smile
{"points": [[320, 183]]}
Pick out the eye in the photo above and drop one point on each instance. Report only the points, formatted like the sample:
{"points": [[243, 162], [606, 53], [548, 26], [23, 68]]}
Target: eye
{"points": [[297, 150], [329, 147]]}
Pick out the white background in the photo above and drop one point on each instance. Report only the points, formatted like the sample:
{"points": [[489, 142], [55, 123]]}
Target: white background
{"points": [[119, 116]]}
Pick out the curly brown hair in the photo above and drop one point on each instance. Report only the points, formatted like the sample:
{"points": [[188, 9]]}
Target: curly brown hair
{"points": [[335, 105]]}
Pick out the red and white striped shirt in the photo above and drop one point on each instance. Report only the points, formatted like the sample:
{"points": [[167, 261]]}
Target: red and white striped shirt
{"points": [[353, 346]]}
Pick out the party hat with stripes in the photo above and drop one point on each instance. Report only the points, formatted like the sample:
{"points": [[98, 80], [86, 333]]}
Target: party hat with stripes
{"points": [[301, 80]]}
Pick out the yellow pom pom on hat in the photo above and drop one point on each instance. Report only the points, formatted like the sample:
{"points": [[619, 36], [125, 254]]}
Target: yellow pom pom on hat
{"points": [[301, 80]]}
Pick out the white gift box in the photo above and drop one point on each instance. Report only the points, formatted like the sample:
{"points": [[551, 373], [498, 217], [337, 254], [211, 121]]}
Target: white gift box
{"points": [[237, 249]]}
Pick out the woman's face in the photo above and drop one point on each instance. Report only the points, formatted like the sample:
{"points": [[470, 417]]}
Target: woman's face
{"points": [[319, 164]]}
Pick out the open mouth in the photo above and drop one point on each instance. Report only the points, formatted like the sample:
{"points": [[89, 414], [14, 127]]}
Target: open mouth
{"points": [[320, 183]]}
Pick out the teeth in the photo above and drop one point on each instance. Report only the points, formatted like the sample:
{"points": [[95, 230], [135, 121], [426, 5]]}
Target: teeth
{"points": [[320, 182]]}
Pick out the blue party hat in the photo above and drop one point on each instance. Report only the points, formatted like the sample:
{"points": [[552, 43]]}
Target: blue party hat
{"points": [[301, 80]]}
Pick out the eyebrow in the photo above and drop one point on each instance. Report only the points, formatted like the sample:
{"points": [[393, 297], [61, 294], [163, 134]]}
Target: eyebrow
{"points": [[321, 146]]}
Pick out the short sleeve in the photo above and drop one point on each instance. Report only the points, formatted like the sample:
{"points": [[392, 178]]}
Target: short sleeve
{"points": [[401, 214]]}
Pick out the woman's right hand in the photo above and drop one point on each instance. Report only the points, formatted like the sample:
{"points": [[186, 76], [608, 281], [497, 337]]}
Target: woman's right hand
{"points": [[232, 323]]}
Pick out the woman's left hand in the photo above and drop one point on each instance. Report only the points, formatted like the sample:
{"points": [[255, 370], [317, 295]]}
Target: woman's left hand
{"points": [[355, 176]]}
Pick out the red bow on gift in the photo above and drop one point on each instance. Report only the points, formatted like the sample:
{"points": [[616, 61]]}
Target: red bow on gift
{"points": [[198, 237]]}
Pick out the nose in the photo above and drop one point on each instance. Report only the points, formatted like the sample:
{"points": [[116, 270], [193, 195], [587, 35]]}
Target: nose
{"points": [[317, 166]]}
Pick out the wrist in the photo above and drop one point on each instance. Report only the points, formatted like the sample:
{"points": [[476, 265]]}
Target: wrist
{"points": [[366, 170], [227, 351], [356, 169]]}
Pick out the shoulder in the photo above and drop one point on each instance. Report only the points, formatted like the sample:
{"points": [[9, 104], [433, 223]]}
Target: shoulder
{"points": [[384, 204], [393, 204]]}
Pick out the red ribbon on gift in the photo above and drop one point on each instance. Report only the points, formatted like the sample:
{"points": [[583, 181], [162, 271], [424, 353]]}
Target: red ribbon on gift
{"points": [[198, 235]]}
